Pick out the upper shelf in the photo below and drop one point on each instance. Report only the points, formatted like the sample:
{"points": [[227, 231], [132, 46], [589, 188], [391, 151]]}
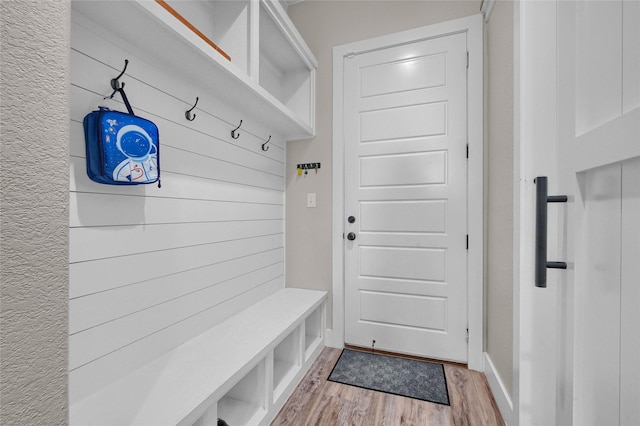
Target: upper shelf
{"points": [[271, 74]]}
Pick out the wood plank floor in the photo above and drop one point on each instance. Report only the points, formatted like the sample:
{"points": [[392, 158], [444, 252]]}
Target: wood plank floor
{"points": [[317, 401]]}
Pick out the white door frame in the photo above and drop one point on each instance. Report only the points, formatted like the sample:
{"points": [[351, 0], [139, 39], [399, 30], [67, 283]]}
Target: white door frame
{"points": [[473, 26], [535, 130]]}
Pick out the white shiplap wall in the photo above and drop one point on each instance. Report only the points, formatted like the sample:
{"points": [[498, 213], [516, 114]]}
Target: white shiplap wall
{"points": [[153, 267]]}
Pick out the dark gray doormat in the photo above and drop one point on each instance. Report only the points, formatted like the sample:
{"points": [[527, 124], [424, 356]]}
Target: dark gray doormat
{"points": [[399, 376]]}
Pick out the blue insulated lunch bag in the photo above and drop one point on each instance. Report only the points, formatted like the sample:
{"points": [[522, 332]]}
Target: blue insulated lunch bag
{"points": [[122, 149]]}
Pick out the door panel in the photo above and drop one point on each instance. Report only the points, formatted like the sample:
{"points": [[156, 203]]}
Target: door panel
{"points": [[425, 168], [607, 342], [630, 56], [405, 169], [403, 263], [403, 122], [417, 73], [405, 310], [598, 83], [418, 216], [630, 295], [598, 314]]}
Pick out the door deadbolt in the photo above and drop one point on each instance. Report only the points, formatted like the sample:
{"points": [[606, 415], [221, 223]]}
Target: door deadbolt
{"points": [[351, 219]]}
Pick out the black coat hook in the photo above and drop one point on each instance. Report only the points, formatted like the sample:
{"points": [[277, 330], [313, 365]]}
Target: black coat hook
{"points": [[264, 145], [235, 135], [115, 83], [233, 132], [188, 115], [119, 89]]}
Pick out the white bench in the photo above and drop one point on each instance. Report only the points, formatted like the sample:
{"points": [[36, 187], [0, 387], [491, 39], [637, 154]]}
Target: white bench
{"points": [[242, 370]]}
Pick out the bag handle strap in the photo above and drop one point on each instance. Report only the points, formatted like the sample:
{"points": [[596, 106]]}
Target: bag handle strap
{"points": [[125, 99]]}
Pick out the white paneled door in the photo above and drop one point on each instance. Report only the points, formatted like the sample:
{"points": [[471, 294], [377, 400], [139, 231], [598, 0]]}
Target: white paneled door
{"points": [[579, 345], [598, 139], [405, 132]]}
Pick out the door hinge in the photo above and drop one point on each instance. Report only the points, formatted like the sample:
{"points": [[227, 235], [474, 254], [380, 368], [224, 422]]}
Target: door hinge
{"points": [[467, 336], [467, 59], [467, 150], [467, 241]]}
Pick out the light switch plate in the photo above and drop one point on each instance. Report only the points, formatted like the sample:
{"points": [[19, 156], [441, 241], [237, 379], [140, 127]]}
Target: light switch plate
{"points": [[311, 199]]}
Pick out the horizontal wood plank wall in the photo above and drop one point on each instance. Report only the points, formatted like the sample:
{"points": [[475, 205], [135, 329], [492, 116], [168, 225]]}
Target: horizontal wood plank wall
{"points": [[153, 267]]}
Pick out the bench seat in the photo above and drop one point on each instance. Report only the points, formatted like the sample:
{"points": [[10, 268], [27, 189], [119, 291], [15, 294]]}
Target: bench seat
{"points": [[187, 385]]}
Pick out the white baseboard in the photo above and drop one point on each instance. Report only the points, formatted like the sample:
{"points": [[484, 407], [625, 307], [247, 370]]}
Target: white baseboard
{"points": [[499, 391], [328, 340]]}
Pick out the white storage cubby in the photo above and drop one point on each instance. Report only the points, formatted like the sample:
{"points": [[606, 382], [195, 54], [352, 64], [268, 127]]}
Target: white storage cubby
{"points": [[313, 335], [271, 75], [286, 362], [225, 23], [245, 403], [285, 72]]}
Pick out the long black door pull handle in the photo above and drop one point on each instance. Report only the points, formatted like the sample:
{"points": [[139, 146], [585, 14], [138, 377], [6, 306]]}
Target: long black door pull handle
{"points": [[541, 231]]}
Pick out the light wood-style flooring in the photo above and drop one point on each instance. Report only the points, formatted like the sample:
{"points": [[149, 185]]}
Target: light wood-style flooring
{"points": [[317, 401]]}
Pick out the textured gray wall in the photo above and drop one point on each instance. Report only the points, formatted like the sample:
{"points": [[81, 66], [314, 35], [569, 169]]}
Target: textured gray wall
{"points": [[34, 219]]}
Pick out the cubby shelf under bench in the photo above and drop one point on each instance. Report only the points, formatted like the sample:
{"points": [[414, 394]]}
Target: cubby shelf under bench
{"points": [[241, 370]]}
